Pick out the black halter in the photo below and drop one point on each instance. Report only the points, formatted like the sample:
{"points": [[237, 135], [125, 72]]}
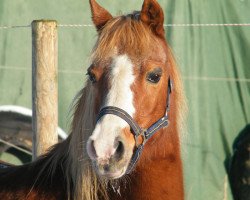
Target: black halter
{"points": [[136, 129]]}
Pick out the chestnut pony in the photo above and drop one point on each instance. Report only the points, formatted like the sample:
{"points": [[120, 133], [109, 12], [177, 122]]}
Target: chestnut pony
{"points": [[124, 142]]}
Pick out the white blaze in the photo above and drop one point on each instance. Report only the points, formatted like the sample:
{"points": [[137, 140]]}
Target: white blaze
{"points": [[121, 96]]}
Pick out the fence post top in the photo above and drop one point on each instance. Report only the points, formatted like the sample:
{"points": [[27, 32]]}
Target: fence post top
{"points": [[45, 22]]}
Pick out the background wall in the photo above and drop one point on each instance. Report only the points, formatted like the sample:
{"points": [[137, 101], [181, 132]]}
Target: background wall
{"points": [[214, 61]]}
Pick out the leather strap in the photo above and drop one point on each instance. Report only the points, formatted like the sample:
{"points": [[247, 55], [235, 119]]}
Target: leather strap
{"points": [[122, 114], [136, 129]]}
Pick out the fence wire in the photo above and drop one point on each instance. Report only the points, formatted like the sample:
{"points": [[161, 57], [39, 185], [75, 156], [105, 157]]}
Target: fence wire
{"points": [[165, 25]]}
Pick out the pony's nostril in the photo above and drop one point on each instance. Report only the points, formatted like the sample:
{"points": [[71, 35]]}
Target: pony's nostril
{"points": [[106, 167], [91, 149], [119, 150]]}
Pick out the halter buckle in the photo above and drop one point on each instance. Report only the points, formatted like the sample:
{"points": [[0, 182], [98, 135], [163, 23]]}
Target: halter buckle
{"points": [[142, 134]]}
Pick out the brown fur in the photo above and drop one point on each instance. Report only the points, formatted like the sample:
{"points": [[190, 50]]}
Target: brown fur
{"points": [[66, 171]]}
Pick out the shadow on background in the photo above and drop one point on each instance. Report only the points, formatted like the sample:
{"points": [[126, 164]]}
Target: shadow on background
{"points": [[238, 166]]}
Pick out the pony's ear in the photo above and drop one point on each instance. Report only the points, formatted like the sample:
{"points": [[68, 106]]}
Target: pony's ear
{"points": [[100, 16], [152, 15]]}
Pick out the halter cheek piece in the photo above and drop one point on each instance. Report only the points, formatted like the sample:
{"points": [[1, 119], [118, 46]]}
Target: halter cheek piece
{"points": [[136, 129]]}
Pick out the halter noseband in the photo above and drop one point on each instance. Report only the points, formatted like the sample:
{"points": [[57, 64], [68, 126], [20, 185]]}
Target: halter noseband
{"points": [[136, 129]]}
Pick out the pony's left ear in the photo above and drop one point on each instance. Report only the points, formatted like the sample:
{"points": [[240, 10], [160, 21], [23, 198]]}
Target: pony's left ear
{"points": [[152, 15], [100, 16]]}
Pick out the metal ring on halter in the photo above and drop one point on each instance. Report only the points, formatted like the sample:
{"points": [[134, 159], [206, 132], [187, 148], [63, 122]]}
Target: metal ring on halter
{"points": [[143, 135]]}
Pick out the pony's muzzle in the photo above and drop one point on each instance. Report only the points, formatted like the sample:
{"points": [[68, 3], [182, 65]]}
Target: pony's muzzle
{"points": [[114, 152], [110, 162]]}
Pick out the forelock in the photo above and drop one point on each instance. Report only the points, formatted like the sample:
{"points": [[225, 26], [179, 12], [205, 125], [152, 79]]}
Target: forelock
{"points": [[129, 35]]}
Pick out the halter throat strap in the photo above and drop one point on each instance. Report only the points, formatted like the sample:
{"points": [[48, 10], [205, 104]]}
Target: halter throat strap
{"points": [[136, 129]]}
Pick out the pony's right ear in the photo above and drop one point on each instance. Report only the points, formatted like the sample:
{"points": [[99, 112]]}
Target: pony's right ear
{"points": [[100, 16]]}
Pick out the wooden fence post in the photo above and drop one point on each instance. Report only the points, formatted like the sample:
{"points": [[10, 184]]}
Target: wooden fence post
{"points": [[44, 85]]}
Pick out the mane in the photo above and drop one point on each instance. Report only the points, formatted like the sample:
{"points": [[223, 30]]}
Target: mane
{"points": [[85, 182], [125, 33], [180, 100]]}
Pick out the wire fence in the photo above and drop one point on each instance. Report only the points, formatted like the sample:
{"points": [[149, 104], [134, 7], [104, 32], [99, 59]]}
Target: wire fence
{"points": [[165, 25]]}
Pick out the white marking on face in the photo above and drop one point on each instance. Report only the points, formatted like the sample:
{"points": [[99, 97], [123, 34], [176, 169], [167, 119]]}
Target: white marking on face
{"points": [[120, 95]]}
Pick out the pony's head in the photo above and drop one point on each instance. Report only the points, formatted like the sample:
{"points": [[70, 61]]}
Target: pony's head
{"points": [[130, 70]]}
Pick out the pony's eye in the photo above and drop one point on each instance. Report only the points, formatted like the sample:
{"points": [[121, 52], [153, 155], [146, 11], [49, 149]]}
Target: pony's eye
{"points": [[91, 76], [154, 77]]}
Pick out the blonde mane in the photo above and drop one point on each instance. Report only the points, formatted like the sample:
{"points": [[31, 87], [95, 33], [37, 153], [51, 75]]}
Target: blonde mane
{"points": [[126, 35], [85, 184]]}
